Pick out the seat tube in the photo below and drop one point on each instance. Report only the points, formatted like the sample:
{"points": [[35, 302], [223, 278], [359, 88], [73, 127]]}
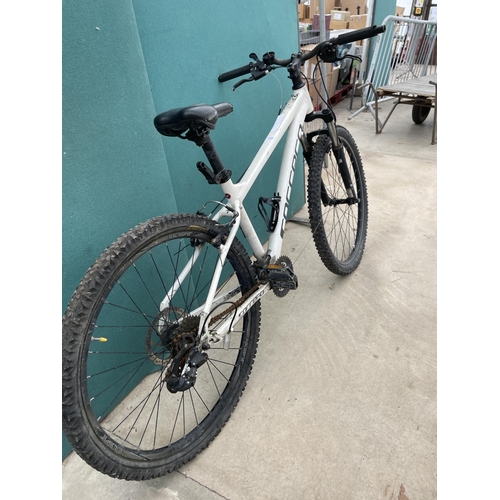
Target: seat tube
{"points": [[221, 174]]}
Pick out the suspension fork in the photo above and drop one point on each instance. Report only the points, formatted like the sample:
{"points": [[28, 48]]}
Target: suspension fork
{"points": [[339, 153], [328, 117]]}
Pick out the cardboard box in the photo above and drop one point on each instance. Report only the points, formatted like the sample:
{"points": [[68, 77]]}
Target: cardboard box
{"points": [[303, 11], [339, 25], [331, 80], [329, 6], [358, 22], [400, 11], [309, 65], [352, 6], [340, 15]]}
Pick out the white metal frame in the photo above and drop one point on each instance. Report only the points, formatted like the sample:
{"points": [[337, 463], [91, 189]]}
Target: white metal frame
{"points": [[390, 64], [289, 121]]}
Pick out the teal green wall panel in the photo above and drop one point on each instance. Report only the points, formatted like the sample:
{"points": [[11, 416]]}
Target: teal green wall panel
{"points": [[383, 8], [114, 169], [186, 46], [124, 61]]}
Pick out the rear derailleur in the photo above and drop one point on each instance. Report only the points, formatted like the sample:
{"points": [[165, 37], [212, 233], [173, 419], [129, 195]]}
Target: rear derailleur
{"points": [[181, 374], [178, 341]]}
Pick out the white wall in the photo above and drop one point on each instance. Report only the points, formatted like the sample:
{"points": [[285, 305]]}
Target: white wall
{"points": [[407, 5]]}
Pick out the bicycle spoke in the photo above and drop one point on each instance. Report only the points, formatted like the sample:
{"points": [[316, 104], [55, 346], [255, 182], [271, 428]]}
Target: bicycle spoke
{"points": [[340, 221], [143, 406], [181, 405], [123, 391], [222, 362], [145, 286], [124, 309], [194, 409], [215, 366], [213, 378]]}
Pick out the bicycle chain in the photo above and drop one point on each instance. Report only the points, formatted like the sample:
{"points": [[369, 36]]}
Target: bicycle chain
{"points": [[194, 325], [194, 330], [279, 292], [214, 319]]}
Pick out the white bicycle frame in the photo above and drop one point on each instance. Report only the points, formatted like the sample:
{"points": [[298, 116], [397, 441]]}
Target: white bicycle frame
{"points": [[290, 120]]}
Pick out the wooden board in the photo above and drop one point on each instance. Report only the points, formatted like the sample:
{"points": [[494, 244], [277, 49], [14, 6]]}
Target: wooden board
{"points": [[418, 86]]}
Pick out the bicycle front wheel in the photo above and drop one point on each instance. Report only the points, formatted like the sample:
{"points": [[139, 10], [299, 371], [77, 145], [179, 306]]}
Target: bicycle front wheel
{"points": [[339, 229], [119, 412]]}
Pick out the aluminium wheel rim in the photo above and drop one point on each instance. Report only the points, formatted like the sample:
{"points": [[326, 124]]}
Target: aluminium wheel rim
{"points": [[342, 223], [124, 435]]}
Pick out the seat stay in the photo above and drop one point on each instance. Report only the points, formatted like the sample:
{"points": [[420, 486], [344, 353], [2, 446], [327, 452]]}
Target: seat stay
{"points": [[206, 309], [223, 251], [181, 277]]}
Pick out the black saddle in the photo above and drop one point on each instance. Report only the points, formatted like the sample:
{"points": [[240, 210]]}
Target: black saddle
{"points": [[175, 122]]}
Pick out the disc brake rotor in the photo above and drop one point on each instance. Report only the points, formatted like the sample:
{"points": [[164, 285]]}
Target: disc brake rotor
{"points": [[160, 335], [163, 348]]}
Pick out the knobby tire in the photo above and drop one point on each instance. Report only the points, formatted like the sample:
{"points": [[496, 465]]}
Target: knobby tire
{"points": [[117, 413], [339, 231]]}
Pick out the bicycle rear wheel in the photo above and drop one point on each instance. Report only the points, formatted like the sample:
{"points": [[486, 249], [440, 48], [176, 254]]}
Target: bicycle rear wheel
{"points": [[118, 413], [339, 229]]}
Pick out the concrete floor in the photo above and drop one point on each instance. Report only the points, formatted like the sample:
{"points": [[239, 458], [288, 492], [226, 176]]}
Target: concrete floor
{"points": [[341, 403]]}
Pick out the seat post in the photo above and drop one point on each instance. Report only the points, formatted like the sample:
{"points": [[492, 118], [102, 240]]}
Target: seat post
{"points": [[221, 174]]}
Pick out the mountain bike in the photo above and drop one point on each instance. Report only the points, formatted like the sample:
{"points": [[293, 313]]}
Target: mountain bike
{"points": [[160, 336]]}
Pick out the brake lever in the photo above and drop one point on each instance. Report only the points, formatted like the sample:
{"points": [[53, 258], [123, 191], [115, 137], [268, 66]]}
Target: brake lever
{"points": [[241, 82], [256, 75]]}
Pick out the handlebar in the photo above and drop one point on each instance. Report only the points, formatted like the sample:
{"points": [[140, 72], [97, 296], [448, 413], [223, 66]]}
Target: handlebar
{"points": [[327, 51], [235, 73], [361, 34]]}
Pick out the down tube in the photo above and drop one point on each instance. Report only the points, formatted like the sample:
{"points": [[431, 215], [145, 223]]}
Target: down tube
{"points": [[285, 181]]}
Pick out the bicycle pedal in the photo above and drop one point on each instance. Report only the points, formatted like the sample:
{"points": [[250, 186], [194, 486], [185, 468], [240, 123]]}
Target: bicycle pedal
{"points": [[280, 275]]}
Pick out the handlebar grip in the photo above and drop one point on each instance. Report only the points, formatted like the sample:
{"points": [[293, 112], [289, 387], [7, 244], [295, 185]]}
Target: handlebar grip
{"points": [[235, 73], [359, 34]]}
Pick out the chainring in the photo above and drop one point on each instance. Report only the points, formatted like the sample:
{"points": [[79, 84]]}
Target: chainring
{"points": [[283, 261]]}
